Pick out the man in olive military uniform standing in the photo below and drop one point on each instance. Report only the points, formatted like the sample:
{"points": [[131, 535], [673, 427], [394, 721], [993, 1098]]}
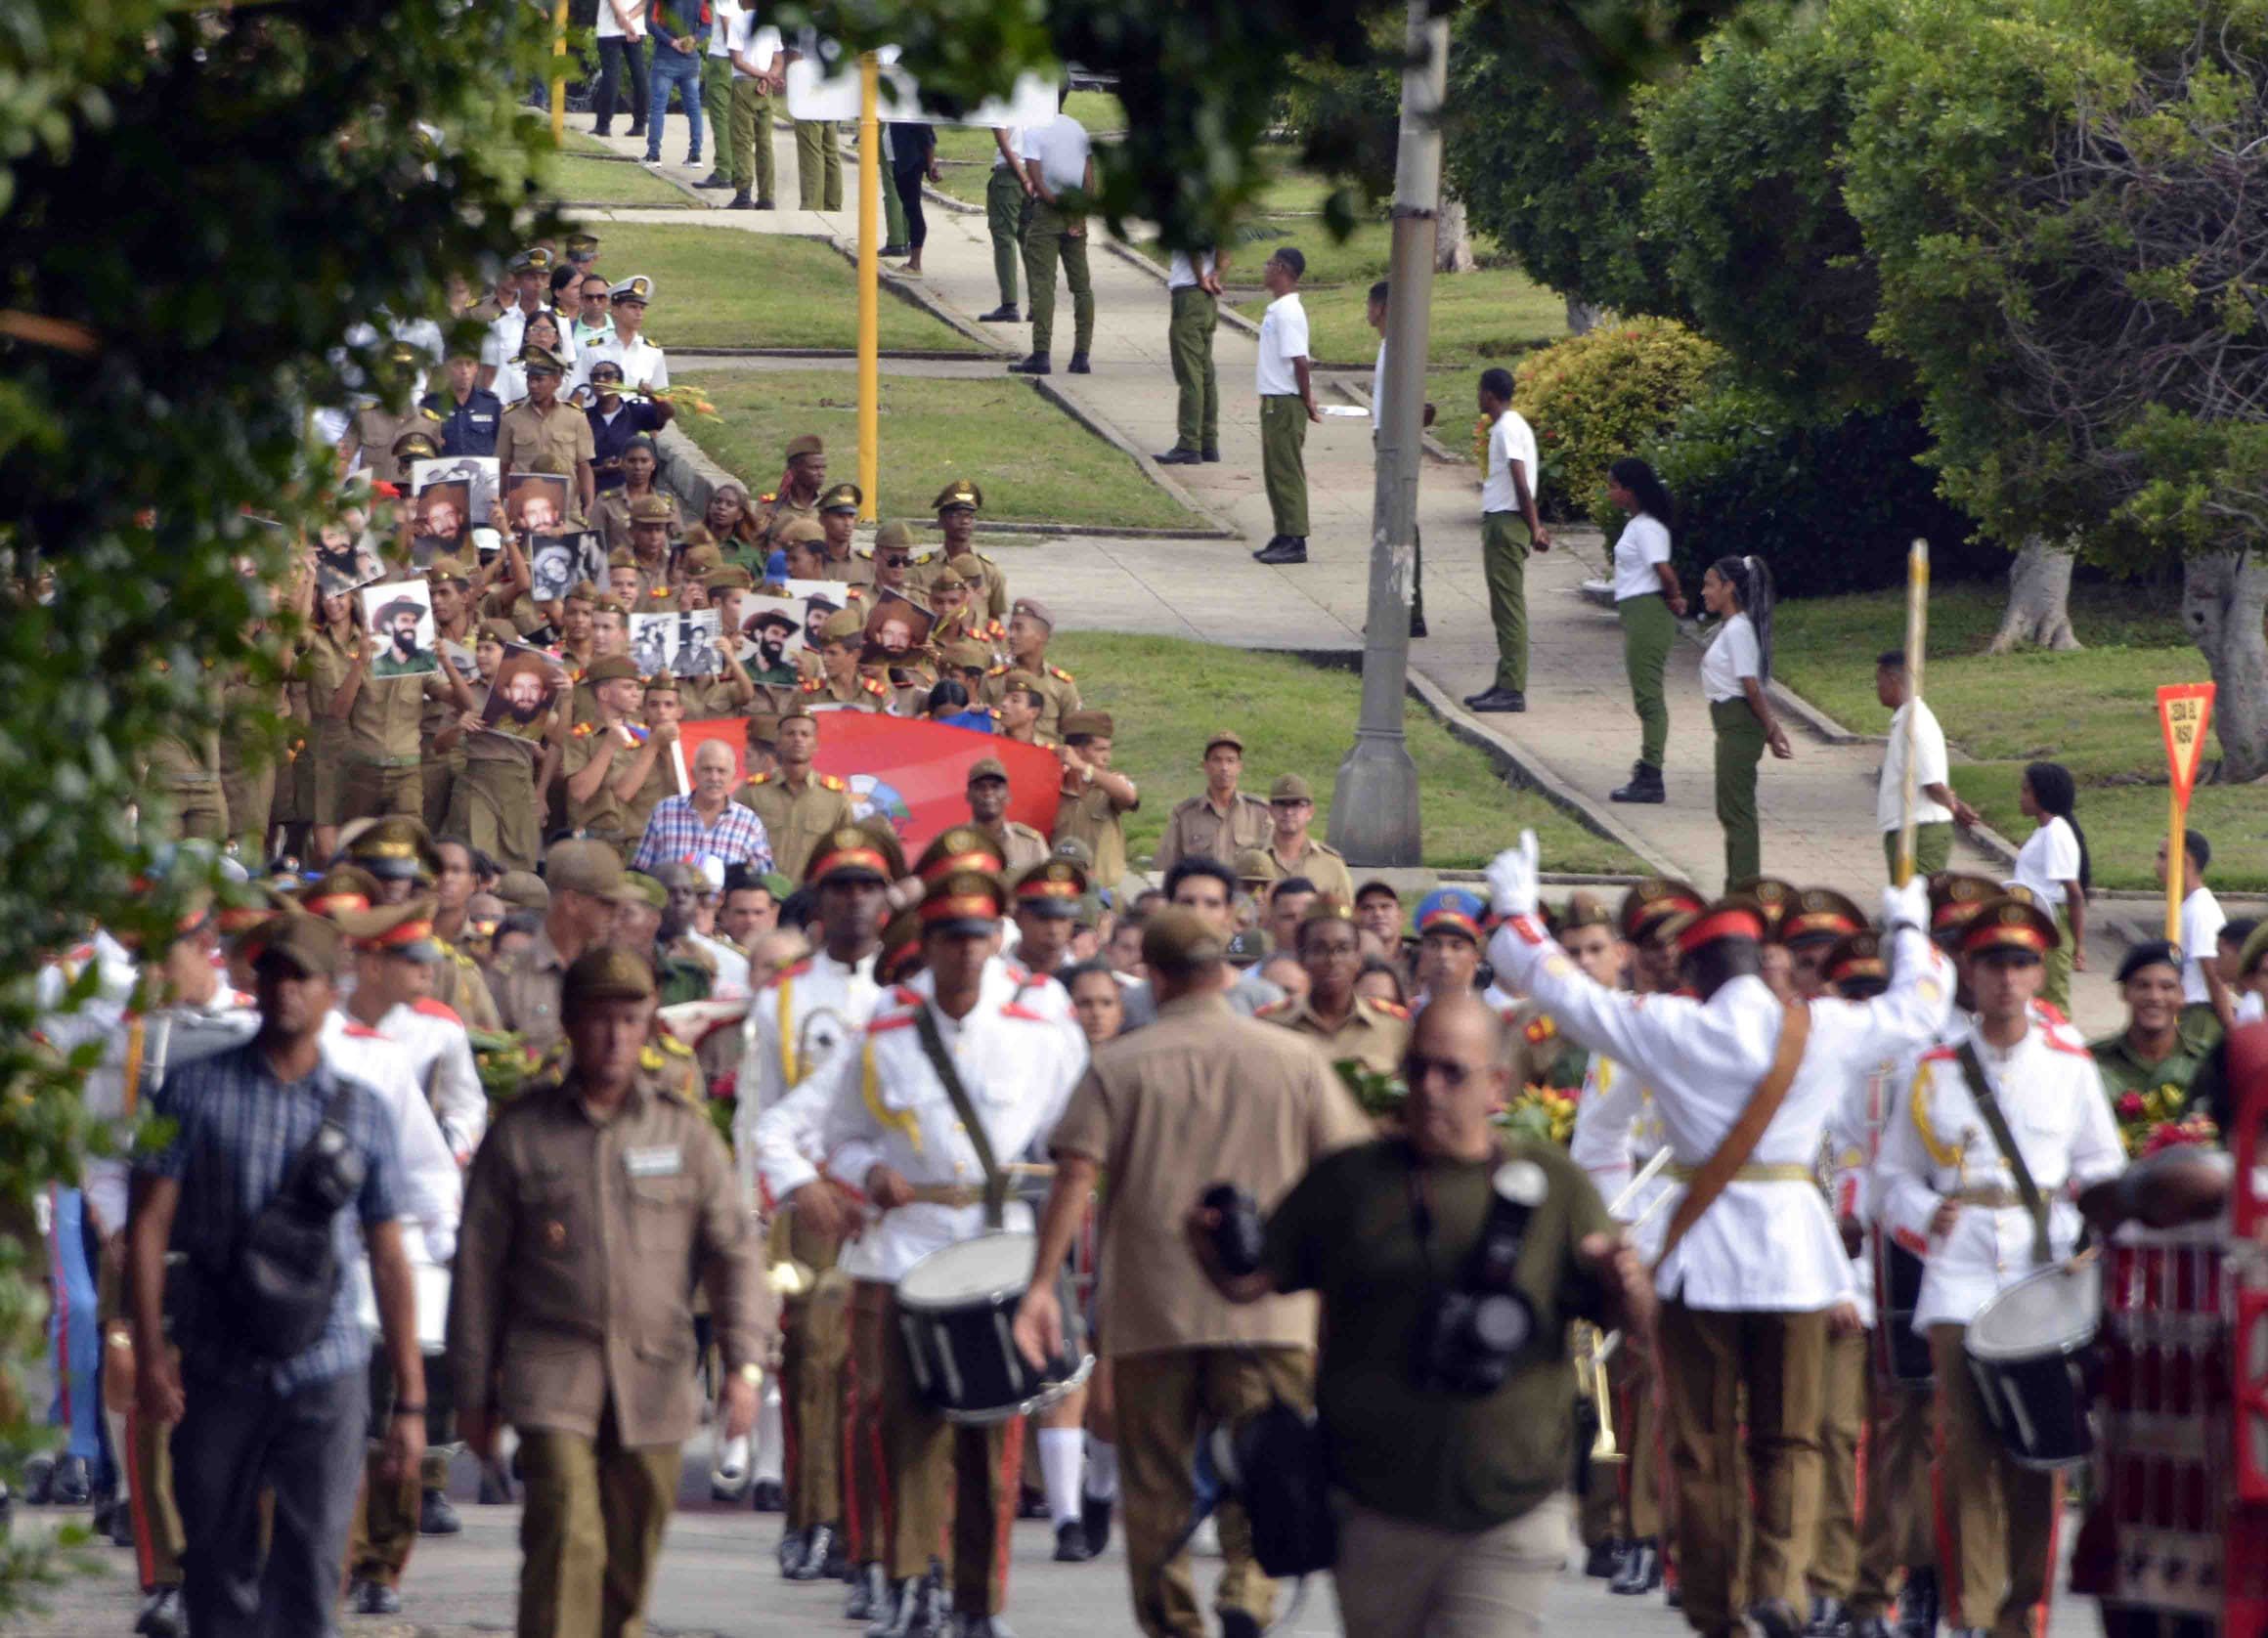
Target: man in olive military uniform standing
{"points": [[546, 427], [801, 486], [1031, 623], [958, 505], [2151, 1056], [1372, 1033], [584, 880], [593, 1198], [1095, 798], [840, 682], [1290, 851], [1221, 823], [1020, 845], [798, 805]]}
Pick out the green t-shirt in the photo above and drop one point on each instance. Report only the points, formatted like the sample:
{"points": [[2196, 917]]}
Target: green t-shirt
{"points": [[2123, 1070], [1348, 1232]]}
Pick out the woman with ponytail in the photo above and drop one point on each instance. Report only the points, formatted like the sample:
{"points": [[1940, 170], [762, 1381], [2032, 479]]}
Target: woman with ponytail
{"points": [[1739, 592], [1647, 601], [2054, 867]]}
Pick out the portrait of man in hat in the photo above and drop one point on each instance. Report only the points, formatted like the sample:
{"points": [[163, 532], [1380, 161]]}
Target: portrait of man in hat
{"points": [[398, 617], [816, 611], [558, 561], [526, 681], [477, 473], [896, 627], [650, 637], [770, 631], [537, 502], [443, 516]]}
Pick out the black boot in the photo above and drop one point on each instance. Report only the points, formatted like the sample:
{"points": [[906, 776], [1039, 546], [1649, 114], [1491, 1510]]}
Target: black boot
{"points": [[1604, 1560], [1035, 364], [1646, 786], [1775, 1618], [869, 1593], [790, 1551], [1179, 457], [1079, 365], [435, 1517], [1918, 1605], [1642, 1569], [1004, 314], [1497, 699], [818, 1544], [1286, 549], [1211, 452], [1071, 1542], [768, 1495], [1095, 1514]]}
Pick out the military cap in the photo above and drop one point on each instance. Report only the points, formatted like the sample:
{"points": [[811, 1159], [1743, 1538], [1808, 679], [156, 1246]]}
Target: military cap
{"points": [[900, 952], [309, 943], [1177, 939], [1087, 724], [390, 612], [638, 887], [1073, 849], [842, 498], [663, 681], [968, 654], [964, 901], [1252, 865], [1325, 907], [1657, 905], [583, 866], [636, 287], [2157, 953], [842, 626], [959, 493], [1051, 887], [1857, 958], [449, 569], [1224, 735], [605, 973], [1819, 912], [395, 848], [395, 930], [1584, 910], [1021, 681], [986, 767], [1954, 898], [1247, 947], [416, 442], [798, 531], [894, 536], [582, 592], [806, 443], [697, 561], [862, 852], [524, 889], [581, 248], [497, 631], [1736, 915], [535, 361], [652, 508], [535, 260], [796, 712], [2255, 947], [612, 667], [1771, 895], [963, 569], [622, 557], [2009, 924], [1031, 606], [732, 577], [1451, 910], [1290, 788], [957, 847], [604, 604], [762, 727], [343, 886], [254, 903], [770, 615]]}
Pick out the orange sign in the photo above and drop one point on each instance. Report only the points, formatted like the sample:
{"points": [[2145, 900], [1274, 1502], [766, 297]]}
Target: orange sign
{"points": [[2185, 709]]}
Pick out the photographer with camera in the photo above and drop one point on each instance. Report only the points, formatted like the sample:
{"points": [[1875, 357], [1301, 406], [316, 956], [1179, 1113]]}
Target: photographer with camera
{"points": [[1449, 1260]]}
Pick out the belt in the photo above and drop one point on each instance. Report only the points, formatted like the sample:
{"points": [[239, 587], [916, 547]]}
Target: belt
{"points": [[1993, 1198], [1755, 1172], [947, 1194]]}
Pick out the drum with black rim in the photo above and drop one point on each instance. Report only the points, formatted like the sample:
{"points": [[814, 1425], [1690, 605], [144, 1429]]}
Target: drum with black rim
{"points": [[2029, 1351], [955, 1308]]}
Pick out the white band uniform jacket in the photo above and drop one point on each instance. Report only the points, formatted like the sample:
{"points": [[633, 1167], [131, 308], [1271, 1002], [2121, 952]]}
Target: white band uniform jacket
{"points": [[1617, 1131], [1855, 1132], [2052, 1095], [1763, 1246], [1019, 1053], [441, 1063], [796, 1027]]}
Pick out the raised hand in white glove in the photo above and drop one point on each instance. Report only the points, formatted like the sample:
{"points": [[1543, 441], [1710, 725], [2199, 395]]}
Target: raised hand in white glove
{"points": [[1512, 878], [1910, 904]]}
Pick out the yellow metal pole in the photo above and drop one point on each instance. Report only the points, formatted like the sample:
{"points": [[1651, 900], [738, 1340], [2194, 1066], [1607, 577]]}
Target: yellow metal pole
{"points": [[869, 285], [559, 73], [2176, 860], [1917, 630]]}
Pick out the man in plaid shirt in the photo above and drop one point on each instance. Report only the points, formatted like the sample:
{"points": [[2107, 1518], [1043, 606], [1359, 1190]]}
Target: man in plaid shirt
{"points": [[247, 1420], [709, 821]]}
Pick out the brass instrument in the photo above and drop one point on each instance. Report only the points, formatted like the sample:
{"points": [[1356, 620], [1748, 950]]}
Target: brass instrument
{"points": [[1592, 1351], [782, 1272]]}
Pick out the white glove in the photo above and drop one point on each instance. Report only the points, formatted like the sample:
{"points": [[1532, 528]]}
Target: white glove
{"points": [[1910, 904], [1512, 877]]}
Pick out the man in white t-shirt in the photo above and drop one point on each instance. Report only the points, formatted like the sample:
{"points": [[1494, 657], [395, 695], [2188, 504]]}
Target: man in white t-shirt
{"points": [[1937, 809], [1287, 404], [1508, 526], [1193, 284], [1057, 159], [757, 72], [2201, 917], [622, 50], [1008, 198]]}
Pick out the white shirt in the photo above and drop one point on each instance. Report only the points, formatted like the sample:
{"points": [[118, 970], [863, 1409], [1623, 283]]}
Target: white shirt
{"points": [[2048, 859], [1378, 386], [499, 350], [1510, 439], [1854, 1131], [610, 25], [643, 364], [2251, 1006], [1617, 1131], [2201, 922], [433, 1188], [1060, 146], [759, 43], [441, 1063], [1016, 148], [1929, 768], [1283, 338], [1019, 1053], [1763, 1246], [1731, 657], [1643, 543], [1182, 274], [722, 16], [2048, 1088], [781, 1101]]}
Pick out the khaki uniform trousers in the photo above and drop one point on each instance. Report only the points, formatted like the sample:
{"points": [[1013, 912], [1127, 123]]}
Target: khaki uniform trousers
{"points": [[819, 165], [1397, 1578], [942, 1478], [200, 811], [378, 790], [1834, 1569], [868, 1508], [749, 137], [1641, 1439], [590, 1530], [440, 776], [1284, 462], [1161, 1397], [1895, 1532], [1997, 1521], [387, 1511], [493, 806], [1007, 208], [1780, 1361], [249, 792], [1189, 338], [814, 1342]]}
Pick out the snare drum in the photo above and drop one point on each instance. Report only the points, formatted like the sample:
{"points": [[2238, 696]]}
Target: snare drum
{"points": [[1902, 1354], [2029, 1349], [955, 1308]]}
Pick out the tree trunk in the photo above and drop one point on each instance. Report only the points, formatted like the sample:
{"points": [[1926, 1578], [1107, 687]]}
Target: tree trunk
{"points": [[1451, 245], [1582, 316], [2040, 599], [2224, 598]]}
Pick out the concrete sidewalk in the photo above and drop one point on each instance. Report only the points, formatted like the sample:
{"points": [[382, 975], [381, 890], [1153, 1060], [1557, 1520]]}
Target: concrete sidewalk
{"points": [[1579, 734]]}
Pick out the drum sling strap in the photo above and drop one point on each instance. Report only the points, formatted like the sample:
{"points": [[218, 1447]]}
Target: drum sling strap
{"points": [[1714, 1173], [1988, 1105], [995, 1179]]}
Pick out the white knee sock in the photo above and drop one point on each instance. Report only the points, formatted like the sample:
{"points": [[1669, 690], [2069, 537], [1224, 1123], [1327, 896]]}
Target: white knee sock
{"points": [[1101, 1470], [1059, 1466], [771, 1444]]}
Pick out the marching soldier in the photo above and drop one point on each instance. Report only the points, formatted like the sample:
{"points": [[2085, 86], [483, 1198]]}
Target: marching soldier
{"points": [[1351, 1027], [2001, 1126], [583, 882], [841, 680], [802, 484], [798, 805], [399, 854]]}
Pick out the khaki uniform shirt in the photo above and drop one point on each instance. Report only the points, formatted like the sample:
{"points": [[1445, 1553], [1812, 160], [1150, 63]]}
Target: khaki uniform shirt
{"points": [[1093, 817], [582, 1240], [526, 435], [1196, 830], [375, 428], [383, 723], [1322, 864], [605, 814], [526, 988], [990, 600], [459, 986], [1022, 845], [795, 821], [862, 692], [2124, 1070], [1375, 1034], [610, 516], [1201, 1094], [772, 514], [1059, 693]]}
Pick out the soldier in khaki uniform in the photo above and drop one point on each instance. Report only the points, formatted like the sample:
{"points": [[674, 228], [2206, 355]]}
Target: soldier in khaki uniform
{"points": [[1222, 822], [327, 654], [401, 858], [664, 710], [1290, 851], [1201, 1094], [596, 1200], [1372, 1033], [494, 805], [956, 506], [1017, 714], [1093, 799], [802, 484], [1029, 625], [584, 881], [840, 682], [1020, 845], [548, 429], [953, 591], [798, 805], [451, 583], [383, 759], [608, 761]]}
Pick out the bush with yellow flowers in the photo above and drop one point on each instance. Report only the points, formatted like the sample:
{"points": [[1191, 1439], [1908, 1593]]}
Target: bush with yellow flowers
{"points": [[1546, 1114], [1592, 399]]}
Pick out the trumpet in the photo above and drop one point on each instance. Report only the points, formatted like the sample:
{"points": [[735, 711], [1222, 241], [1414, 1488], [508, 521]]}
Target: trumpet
{"points": [[1592, 1351]]}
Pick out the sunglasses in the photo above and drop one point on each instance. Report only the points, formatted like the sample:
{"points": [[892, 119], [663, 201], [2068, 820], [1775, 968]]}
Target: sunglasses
{"points": [[897, 560]]}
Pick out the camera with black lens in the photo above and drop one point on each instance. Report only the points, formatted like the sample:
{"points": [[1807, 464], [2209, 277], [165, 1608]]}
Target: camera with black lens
{"points": [[1240, 1240], [328, 1174], [1471, 1333]]}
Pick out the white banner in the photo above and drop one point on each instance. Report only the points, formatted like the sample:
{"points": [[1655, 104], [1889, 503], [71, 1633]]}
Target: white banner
{"points": [[815, 94]]}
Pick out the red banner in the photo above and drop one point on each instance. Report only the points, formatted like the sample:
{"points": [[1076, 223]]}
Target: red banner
{"points": [[913, 772]]}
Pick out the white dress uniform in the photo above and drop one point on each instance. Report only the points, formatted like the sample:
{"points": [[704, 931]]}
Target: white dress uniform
{"points": [[644, 367], [441, 1063], [2048, 1089], [1617, 1131], [796, 1027], [433, 1188], [1704, 1061]]}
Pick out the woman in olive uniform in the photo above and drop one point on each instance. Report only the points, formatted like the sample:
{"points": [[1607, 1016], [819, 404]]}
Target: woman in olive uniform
{"points": [[325, 656], [611, 514]]}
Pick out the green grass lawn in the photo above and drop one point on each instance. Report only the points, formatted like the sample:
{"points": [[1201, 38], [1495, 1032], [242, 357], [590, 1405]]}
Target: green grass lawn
{"points": [[721, 289], [1036, 464], [2095, 711], [1478, 318], [610, 182], [1164, 695], [580, 141]]}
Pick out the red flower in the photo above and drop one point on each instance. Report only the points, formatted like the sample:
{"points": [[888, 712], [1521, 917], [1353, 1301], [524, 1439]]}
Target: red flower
{"points": [[2131, 1105]]}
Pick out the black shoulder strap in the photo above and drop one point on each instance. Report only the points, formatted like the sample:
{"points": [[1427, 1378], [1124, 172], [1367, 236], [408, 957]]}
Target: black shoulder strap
{"points": [[995, 1179], [1988, 1105]]}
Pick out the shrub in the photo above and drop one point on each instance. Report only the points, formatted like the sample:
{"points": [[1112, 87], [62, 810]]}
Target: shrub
{"points": [[1833, 506], [1593, 398]]}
